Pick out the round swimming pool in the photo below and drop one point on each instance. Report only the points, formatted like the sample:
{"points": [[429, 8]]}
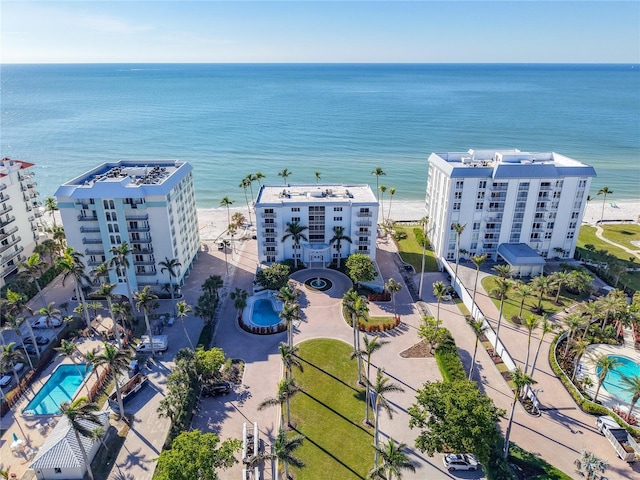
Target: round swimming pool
{"points": [[263, 314], [614, 384]]}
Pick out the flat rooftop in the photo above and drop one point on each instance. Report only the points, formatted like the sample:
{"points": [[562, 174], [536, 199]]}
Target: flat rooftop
{"points": [[315, 193], [487, 158]]}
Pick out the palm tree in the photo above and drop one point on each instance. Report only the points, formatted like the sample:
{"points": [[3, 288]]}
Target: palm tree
{"points": [[378, 172], [251, 178], [525, 291], [171, 265], [542, 285], [117, 360], [317, 174], [632, 385], [51, 206], [530, 323], [288, 293], [521, 380], [477, 260], [259, 176], [68, 350], [394, 461], [380, 389], [90, 356], [144, 301], [294, 230], [120, 260], [573, 322], [285, 174], [244, 184], [14, 323], [503, 271], [547, 327], [82, 418], [212, 284], [9, 357], [338, 238], [393, 287], [424, 221], [440, 290], [32, 270], [478, 328], [289, 356], [51, 313], [289, 313], [182, 310], [239, 297], [357, 306], [71, 264], [226, 202], [100, 271], [283, 449], [225, 244], [604, 191], [371, 345], [382, 189], [287, 388], [392, 192], [579, 348], [559, 280], [592, 310], [106, 290], [458, 228], [604, 364], [502, 288], [591, 465]]}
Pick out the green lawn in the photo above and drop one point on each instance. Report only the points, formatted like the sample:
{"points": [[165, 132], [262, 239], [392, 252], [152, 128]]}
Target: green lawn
{"points": [[512, 303], [533, 466], [588, 236], [411, 251], [622, 234], [329, 412]]}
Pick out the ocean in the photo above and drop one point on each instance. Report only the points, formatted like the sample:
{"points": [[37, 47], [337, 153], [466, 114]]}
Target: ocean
{"points": [[341, 120]]}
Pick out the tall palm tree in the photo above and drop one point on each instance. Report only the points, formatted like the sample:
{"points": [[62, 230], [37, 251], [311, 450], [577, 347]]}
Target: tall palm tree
{"points": [[144, 302], [371, 345], [71, 264], [51, 206], [604, 191], [120, 260], [100, 272], [458, 228], [440, 290], [287, 388], [117, 360], [632, 386], [239, 297], [579, 349], [424, 221], [530, 323], [573, 322], [338, 238], [226, 202], [295, 231], [542, 285], [288, 293], [90, 357], [14, 323], [283, 450], [9, 357], [477, 260], [251, 178], [289, 313], [212, 284], [524, 290], [503, 285], [590, 309], [559, 280], [32, 270], [521, 380], [106, 290], [591, 465], [259, 176], [547, 327], [380, 389], [383, 189], [244, 184], [317, 174], [378, 172], [290, 359], [394, 461], [357, 306], [392, 192], [182, 310], [285, 173], [51, 313], [605, 364], [83, 419], [393, 287], [171, 266], [68, 350], [478, 328]]}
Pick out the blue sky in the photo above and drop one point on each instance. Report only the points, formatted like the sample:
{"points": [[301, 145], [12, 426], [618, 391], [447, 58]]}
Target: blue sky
{"points": [[329, 31]]}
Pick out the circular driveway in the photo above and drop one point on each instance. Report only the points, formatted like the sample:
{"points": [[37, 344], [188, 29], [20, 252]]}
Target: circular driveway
{"points": [[340, 283]]}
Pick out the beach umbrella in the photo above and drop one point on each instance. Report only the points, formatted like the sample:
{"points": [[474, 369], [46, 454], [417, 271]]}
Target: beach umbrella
{"points": [[15, 437]]}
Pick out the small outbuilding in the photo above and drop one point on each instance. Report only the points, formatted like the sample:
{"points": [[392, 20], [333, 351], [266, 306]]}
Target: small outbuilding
{"points": [[60, 455], [524, 260]]}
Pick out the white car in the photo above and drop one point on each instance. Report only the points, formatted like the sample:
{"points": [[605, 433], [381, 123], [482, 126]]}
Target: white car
{"points": [[42, 323], [460, 461]]}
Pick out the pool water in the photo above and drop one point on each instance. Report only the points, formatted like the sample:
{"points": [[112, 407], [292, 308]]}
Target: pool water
{"points": [[263, 314], [61, 387], [614, 384]]}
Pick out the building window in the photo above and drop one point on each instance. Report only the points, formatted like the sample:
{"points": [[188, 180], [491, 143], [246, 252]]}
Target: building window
{"points": [[550, 225], [269, 221], [337, 209], [459, 184], [556, 194], [457, 195], [535, 236], [575, 215], [582, 183], [456, 206], [479, 206], [450, 256], [295, 219], [547, 236], [337, 219], [295, 209], [482, 184], [577, 204], [570, 234], [474, 245], [57, 470], [480, 195], [476, 226]]}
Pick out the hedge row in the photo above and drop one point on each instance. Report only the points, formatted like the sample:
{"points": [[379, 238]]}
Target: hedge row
{"points": [[448, 360]]}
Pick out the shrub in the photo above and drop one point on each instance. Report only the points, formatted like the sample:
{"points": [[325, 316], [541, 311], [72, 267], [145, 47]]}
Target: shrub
{"points": [[449, 361], [399, 235]]}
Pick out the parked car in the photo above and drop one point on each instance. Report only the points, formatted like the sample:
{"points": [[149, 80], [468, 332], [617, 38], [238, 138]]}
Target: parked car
{"points": [[5, 380], [40, 340], [18, 366], [218, 388], [42, 323], [460, 461], [30, 349]]}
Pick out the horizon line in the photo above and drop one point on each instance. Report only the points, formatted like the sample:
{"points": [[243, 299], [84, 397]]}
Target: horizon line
{"points": [[319, 63]]}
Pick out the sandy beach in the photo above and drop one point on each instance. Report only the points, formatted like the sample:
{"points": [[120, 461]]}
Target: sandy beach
{"points": [[213, 221]]}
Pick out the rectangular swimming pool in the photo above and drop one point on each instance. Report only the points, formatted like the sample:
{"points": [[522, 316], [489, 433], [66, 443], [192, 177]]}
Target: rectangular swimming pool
{"points": [[61, 387]]}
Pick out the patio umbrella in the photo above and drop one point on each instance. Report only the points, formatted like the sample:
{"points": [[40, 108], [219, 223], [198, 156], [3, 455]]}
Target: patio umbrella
{"points": [[15, 437]]}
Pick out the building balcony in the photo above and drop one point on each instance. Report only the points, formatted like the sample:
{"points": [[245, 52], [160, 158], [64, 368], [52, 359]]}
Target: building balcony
{"points": [[34, 227], [3, 186], [141, 240], [364, 214], [83, 218], [4, 223], [364, 252], [500, 188], [492, 230], [10, 255], [6, 209], [265, 252], [270, 243], [135, 250], [91, 241], [146, 274], [38, 213], [136, 217], [139, 229], [4, 198], [144, 262], [363, 223], [32, 184], [84, 229], [268, 215], [8, 270], [11, 231], [94, 252], [363, 243], [93, 263], [5, 246], [494, 209], [269, 225]]}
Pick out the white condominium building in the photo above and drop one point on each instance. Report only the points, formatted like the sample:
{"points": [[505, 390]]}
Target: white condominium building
{"points": [[19, 213], [506, 197], [320, 208], [150, 204]]}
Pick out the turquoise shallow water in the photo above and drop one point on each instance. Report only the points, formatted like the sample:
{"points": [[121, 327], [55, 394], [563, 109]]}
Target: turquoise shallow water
{"points": [[263, 313], [341, 120], [614, 384], [61, 387]]}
